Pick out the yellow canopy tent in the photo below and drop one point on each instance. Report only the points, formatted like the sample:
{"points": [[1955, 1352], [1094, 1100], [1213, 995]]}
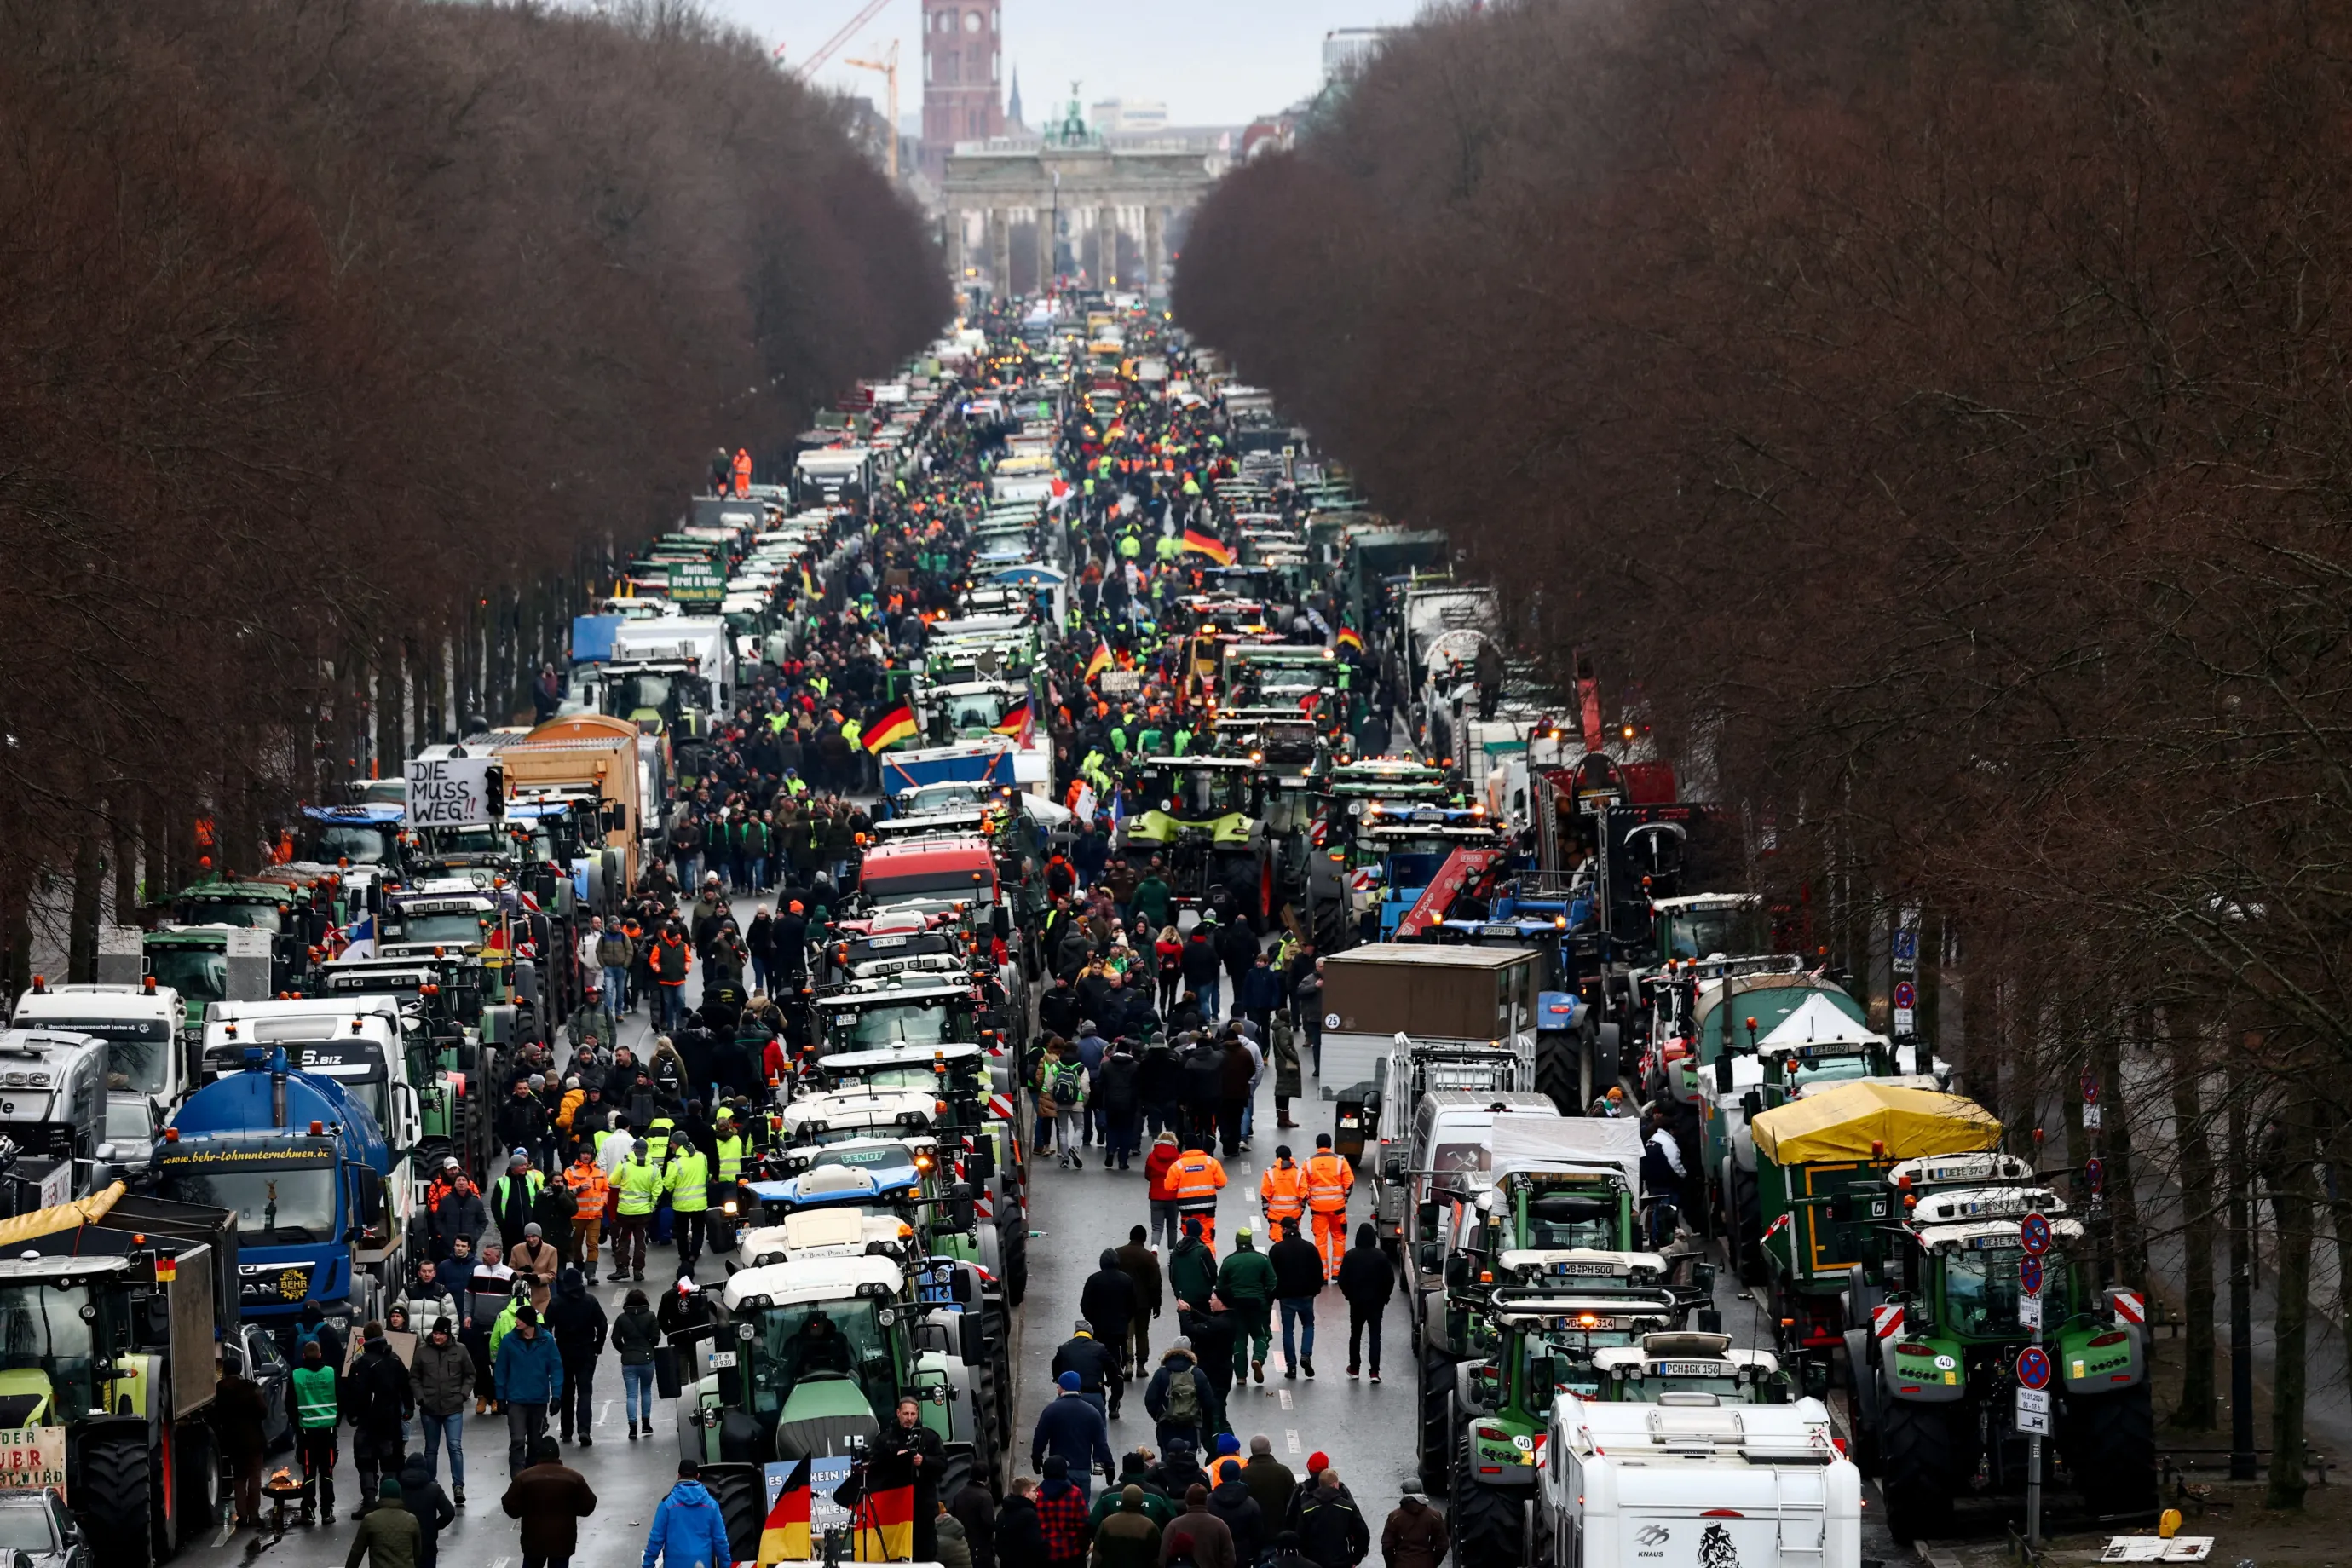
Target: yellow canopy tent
{"points": [[1872, 1121]]}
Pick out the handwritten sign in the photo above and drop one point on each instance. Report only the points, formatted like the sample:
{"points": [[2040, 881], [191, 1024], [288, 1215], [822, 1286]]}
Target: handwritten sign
{"points": [[453, 791], [32, 1456]]}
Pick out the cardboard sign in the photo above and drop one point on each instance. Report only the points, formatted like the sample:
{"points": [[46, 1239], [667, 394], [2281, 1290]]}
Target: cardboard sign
{"points": [[454, 791], [32, 1457], [402, 1344]]}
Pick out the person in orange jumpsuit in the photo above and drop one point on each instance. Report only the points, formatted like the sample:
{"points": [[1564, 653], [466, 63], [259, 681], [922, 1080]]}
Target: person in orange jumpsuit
{"points": [[1330, 1180], [1283, 1190], [1196, 1178], [742, 470]]}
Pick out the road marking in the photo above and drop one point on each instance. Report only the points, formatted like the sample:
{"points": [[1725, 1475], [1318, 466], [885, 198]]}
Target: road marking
{"points": [[500, 1561], [1289, 1435], [1285, 1395], [604, 1411]]}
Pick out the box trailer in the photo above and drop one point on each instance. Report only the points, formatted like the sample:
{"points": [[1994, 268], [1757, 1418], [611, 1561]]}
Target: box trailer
{"points": [[1433, 995]]}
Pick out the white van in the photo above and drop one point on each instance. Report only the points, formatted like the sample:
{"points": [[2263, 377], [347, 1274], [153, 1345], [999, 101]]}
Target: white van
{"points": [[1690, 1483]]}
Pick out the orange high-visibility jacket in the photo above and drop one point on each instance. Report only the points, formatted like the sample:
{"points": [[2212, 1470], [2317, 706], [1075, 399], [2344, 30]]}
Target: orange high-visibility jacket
{"points": [[1196, 1178], [1329, 1181], [1284, 1189]]}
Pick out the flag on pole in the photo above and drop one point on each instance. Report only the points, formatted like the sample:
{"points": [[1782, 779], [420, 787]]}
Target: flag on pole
{"points": [[1015, 724], [1200, 543], [896, 725], [1348, 638], [1100, 662], [885, 1526], [784, 1533]]}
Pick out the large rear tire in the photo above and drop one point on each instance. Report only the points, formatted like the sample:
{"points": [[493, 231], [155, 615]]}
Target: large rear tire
{"points": [[2110, 1446], [200, 1484], [1436, 1417], [741, 1493], [116, 1501], [1488, 1523], [1919, 1453], [1560, 1069], [1016, 1262]]}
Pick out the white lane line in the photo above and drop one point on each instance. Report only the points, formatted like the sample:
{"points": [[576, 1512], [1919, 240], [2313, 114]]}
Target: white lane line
{"points": [[1289, 1435], [604, 1411], [1285, 1395]]}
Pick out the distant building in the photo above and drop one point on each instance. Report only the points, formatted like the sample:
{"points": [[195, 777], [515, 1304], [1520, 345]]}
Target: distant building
{"points": [[963, 62], [1347, 50], [1012, 120], [1130, 116]]}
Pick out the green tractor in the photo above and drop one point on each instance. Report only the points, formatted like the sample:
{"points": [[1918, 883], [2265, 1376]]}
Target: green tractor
{"points": [[106, 1330], [807, 1359], [1823, 1205], [1202, 816], [1940, 1332]]}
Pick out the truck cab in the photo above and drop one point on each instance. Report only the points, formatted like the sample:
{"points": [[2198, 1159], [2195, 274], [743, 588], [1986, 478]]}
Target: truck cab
{"points": [[140, 1024], [322, 1208], [53, 1093]]}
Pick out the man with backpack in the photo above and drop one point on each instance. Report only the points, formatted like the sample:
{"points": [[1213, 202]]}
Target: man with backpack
{"points": [[1062, 1082], [1180, 1400]]}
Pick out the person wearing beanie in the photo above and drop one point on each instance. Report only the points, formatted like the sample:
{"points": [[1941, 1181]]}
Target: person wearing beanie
{"points": [[1285, 1553], [1181, 1400], [1074, 1430], [1331, 1529], [529, 1375], [1134, 1470], [549, 1499], [1230, 1501], [1317, 1463], [1269, 1480], [1366, 1283], [1199, 1536], [1062, 1515], [1128, 1537], [1095, 1361], [1415, 1535], [422, 1496], [388, 1536]]}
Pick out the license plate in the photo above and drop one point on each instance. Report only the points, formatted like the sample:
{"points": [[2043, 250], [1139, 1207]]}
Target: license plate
{"points": [[1584, 1270], [722, 1358]]}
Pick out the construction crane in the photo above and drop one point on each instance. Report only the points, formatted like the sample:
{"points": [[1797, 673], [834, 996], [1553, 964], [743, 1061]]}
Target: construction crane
{"points": [[825, 51], [889, 68]]}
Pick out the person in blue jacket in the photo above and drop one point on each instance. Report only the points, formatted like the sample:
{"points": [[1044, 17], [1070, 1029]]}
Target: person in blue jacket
{"points": [[1072, 1429], [687, 1530], [529, 1375]]}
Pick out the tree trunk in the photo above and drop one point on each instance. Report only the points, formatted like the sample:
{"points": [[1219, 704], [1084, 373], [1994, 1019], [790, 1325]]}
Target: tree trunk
{"points": [[2290, 1179], [2115, 1142], [2198, 1306], [391, 709], [81, 932]]}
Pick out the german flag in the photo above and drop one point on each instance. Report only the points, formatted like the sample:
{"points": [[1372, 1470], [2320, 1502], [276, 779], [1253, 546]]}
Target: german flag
{"points": [[1348, 638], [1199, 543], [1015, 722], [885, 1526], [784, 1535], [896, 725], [1100, 662]]}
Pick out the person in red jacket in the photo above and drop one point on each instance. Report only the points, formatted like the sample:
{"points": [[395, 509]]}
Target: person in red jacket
{"points": [[1164, 1153], [672, 957]]}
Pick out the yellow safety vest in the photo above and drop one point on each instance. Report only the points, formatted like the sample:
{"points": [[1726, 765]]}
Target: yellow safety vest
{"points": [[730, 1158], [640, 1185], [689, 1181]]}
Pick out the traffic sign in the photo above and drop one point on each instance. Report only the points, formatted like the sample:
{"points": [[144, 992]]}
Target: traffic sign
{"points": [[1906, 996], [1907, 944], [2034, 1412], [2029, 1274], [2034, 1234], [2033, 1367], [2090, 1088], [2094, 1171]]}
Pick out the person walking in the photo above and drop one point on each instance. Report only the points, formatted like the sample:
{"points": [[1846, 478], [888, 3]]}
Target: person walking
{"points": [[550, 1500], [1230, 1501], [1332, 1530], [1298, 1281], [1282, 1191], [318, 1418], [1019, 1538], [637, 1188], [1192, 1270], [1269, 1480], [1062, 1510], [241, 1418], [1159, 1190], [529, 1378], [1181, 1401], [1128, 1538], [1142, 1264], [1100, 1377], [377, 1402], [1062, 1101], [1415, 1535], [1198, 1536], [636, 1335], [1247, 1283], [1366, 1283], [388, 1535], [513, 1195], [687, 1530], [577, 1320], [1197, 1178], [589, 1189], [422, 1496], [1072, 1429], [443, 1373], [1330, 1180], [1236, 1071], [686, 1179], [536, 1258], [1289, 1084], [974, 1507]]}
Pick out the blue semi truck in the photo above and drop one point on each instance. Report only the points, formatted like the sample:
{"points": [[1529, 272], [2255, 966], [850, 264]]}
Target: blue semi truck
{"points": [[319, 1193]]}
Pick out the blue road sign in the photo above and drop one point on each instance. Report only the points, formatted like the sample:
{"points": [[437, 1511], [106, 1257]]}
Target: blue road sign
{"points": [[2033, 1367], [2029, 1274], [2034, 1234], [2094, 1171]]}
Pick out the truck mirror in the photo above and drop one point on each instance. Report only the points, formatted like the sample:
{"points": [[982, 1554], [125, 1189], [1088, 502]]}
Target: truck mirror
{"points": [[616, 816], [959, 1207], [960, 1290], [979, 1162], [1703, 1276], [1711, 1320], [1457, 1271], [1543, 1374], [1723, 1073], [1392, 1168], [1751, 1104], [1001, 921]]}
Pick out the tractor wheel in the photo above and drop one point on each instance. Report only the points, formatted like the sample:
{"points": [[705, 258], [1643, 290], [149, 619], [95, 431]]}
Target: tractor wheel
{"points": [[1560, 1069], [1919, 1464], [117, 1502], [1436, 1417], [1488, 1523], [1016, 1262], [1861, 1411], [741, 1493], [1743, 1223], [200, 1483], [2109, 1441]]}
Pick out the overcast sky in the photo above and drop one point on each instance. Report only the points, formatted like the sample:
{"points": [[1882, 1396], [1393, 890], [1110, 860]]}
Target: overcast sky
{"points": [[1213, 62]]}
